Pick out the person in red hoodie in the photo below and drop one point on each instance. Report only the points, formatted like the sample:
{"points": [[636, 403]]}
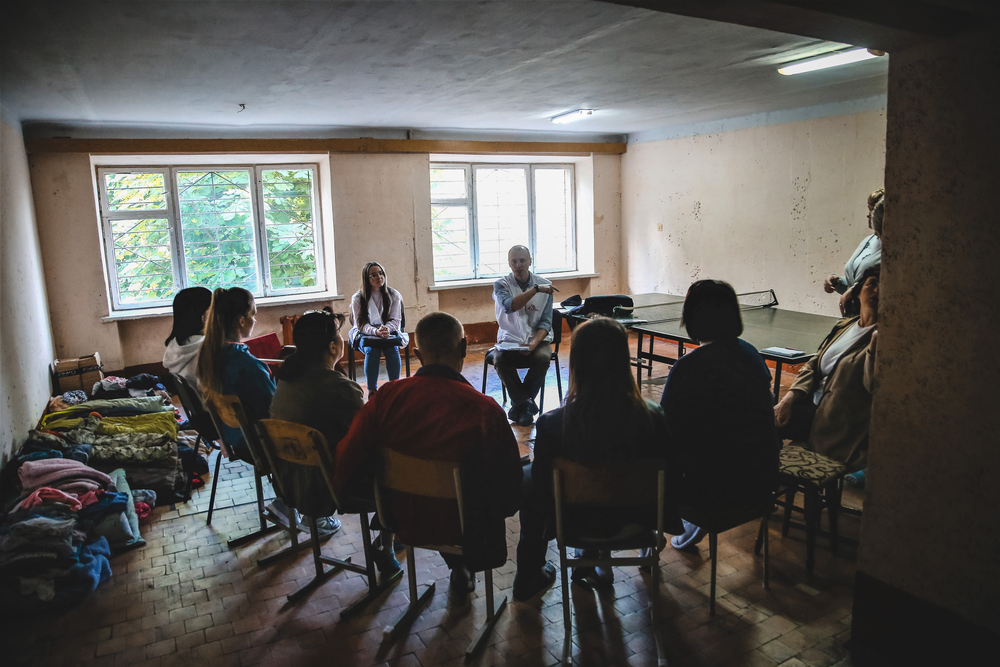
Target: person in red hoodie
{"points": [[437, 415]]}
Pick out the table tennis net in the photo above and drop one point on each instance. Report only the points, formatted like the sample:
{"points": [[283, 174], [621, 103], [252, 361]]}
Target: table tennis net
{"points": [[671, 310]]}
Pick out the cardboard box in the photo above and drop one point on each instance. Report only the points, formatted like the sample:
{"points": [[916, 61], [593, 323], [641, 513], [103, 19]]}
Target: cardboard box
{"points": [[67, 375], [79, 373], [90, 372]]}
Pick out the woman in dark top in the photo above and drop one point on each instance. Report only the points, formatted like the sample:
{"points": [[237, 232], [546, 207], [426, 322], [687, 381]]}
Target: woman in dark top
{"points": [[718, 405], [312, 392], [604, 420]]}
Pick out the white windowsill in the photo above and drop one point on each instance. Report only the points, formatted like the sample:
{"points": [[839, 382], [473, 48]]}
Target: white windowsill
{"points": [[263, 302], [484, 282]]}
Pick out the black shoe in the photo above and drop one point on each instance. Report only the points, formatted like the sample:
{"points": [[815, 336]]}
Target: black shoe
{"points": [[525, 590], [514, 414], [525, 419], [532, 407], [462, 583]]}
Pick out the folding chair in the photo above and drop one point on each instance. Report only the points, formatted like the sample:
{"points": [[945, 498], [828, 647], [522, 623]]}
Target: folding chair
{"points": [[430, 479], [556, 340], [222, 413], [630, 484], [377, 341], [303, 446], [201, 422], [720, 521]]}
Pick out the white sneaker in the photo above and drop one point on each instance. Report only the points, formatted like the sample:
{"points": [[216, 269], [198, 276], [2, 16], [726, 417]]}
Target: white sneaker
{"points": [[325, 525], [280, 510]]}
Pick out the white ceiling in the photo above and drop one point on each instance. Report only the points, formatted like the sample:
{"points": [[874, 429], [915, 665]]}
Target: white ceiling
{"points": [[313, 68]]}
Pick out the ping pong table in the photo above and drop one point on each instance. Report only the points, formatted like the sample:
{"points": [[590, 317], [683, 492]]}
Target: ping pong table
{"points": [[764, 326]]}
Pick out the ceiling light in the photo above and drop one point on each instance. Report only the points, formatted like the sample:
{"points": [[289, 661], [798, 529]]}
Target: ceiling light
{"points": [[837, 59], [571, 116]]}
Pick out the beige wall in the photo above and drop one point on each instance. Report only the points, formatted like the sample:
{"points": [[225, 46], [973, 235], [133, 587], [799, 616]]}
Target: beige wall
{"points": [[25, 333], [932, 521], [380, 211], [777, 206]]}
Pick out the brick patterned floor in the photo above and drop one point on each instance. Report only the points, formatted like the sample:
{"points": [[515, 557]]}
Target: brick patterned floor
{"points": [[187, 599]]}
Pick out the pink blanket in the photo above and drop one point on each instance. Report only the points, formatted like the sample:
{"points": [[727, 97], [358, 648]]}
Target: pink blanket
{"points": [[56, 472]]}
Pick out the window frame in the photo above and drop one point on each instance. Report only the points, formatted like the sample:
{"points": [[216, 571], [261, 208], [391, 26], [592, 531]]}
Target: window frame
{"points": [[171, 212], [471, 203]]}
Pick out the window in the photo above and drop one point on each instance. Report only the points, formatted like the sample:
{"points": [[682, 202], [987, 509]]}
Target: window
{"points": [[478, 211], [167, 228]]}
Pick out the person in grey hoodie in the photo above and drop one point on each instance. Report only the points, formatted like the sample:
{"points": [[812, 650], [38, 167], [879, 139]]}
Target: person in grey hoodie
{"points": [[181, 355]]}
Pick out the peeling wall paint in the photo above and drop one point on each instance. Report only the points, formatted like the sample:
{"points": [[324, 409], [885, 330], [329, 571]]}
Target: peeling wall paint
{"points": [[772, 207], [25, 331]]}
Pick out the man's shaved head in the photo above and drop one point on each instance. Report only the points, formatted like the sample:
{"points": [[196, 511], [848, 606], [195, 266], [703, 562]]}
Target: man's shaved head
{"points": [[518, 248], [440, 339]]}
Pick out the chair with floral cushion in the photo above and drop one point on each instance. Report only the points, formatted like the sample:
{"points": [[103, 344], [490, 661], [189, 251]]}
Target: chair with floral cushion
{"points": [[819, 478]]}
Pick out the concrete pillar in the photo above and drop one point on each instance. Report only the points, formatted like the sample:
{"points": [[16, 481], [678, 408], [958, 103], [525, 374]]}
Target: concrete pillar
{"points": [[930, 550]]}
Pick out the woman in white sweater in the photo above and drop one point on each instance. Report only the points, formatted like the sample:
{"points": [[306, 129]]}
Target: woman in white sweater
{"points": [[181, 355], [377, 324]]}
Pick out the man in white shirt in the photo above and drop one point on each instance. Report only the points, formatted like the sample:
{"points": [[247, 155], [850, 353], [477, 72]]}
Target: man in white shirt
{"points": [[524, 315]]}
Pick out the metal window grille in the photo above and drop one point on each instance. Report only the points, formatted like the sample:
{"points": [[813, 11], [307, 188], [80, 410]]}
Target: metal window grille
{"points": [[478, 211], [170, 227]]}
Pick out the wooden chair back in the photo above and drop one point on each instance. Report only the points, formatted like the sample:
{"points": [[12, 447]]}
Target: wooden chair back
{"points": [[609, 485], [297, 444], [222, 409], [419, 477]]}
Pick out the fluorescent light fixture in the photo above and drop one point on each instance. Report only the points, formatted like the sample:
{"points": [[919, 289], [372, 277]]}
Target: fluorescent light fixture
{"points": [[571, 116], [837, 59]]}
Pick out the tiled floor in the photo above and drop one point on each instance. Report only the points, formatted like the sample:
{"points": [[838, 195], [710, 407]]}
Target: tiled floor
{"points": [[187, 599]]}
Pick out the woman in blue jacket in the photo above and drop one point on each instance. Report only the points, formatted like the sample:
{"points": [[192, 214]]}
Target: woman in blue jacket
{"points": [[225, 366]]}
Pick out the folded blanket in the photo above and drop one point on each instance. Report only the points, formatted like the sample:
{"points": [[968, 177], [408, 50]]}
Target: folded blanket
{"points": [[160, 422], [57, 473]]}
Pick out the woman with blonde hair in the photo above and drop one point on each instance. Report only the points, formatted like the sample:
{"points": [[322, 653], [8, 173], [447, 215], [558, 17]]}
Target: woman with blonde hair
{"points": [[225, 366]]}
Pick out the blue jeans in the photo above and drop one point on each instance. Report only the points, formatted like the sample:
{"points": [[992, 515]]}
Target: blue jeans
{"points": [[372, 357]]}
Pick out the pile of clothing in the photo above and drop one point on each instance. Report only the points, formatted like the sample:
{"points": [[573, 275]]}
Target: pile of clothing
{"points": [[57, 535], [139, 435], [137, 386]]}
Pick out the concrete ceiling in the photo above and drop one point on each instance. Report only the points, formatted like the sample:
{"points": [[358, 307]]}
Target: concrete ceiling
{"points": [[321, 68]]}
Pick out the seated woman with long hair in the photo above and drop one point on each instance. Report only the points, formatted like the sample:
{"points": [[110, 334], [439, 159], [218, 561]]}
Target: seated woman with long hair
{"points": [[225, 366], [829, 406], [312, 392], [376, 316], [184, 342], [604, 420], [717, 401]]}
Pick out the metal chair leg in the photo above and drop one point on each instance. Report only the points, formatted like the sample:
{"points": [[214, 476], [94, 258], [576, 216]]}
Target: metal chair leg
{"points": [[558, 378], [767, 562], [215, 486], [567, 616], [416, 603], [713, 547], [654, 597], [375, 588], [491, 617]]}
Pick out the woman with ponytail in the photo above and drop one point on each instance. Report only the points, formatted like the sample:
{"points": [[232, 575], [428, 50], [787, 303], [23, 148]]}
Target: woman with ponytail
{"points": [[311, 391], [376, 315], [225, 365]]}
